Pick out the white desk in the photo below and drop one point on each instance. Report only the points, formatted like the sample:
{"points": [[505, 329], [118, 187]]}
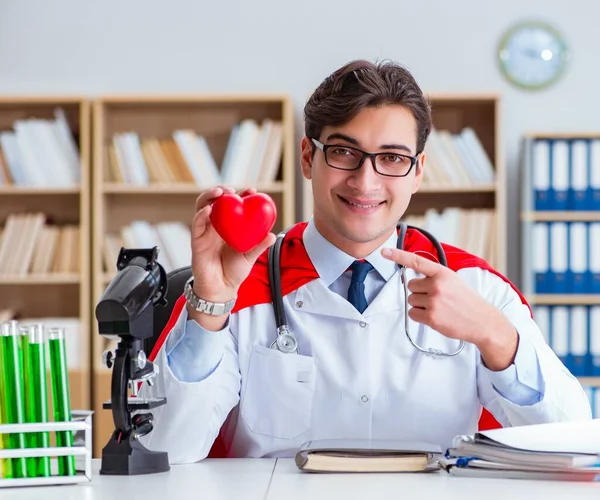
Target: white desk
{"points": [[288, 483], [269, 479], [217, 479]]}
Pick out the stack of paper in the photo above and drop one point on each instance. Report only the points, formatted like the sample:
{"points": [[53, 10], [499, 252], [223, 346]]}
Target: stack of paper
{"points": [[562, 451]]}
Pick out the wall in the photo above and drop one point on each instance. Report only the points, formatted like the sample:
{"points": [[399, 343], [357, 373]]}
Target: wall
{"points": [[271, 45]]}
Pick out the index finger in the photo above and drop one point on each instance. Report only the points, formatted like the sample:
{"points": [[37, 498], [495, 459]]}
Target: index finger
{"points": [[413, 261], [208, 196]]}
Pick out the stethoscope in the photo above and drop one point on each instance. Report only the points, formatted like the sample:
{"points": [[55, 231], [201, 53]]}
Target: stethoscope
{"points": [[286, 341]]}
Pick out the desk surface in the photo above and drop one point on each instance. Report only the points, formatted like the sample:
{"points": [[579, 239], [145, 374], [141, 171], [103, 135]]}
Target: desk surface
{"points": [[270, 479]]}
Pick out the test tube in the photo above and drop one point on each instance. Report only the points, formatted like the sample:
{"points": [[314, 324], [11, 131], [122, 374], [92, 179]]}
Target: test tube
{"points": [[30, 438], [5, 463], [61, 402], [12, 369], [37, 397]]}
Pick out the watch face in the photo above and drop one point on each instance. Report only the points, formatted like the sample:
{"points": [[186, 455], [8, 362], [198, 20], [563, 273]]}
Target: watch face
{"points": [[532, 55]]}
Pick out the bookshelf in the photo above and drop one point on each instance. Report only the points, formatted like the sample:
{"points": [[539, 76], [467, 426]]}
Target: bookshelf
{"points": [[455, 177], [560, 237], [168, 136], [45, 172]]}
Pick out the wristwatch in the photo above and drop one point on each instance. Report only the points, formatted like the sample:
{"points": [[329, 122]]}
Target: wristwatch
{"points": [[204, 306]]}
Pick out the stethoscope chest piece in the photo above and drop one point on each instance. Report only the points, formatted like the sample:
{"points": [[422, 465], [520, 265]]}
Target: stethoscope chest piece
{"points": [[285, 342]]}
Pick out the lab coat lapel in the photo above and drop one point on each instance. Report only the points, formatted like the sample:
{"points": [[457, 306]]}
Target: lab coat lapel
{"points": [[316, 298], [390, 298]]}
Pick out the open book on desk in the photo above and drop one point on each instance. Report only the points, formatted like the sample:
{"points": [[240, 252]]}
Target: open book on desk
{"points": [[565, 450], [356, 455]]}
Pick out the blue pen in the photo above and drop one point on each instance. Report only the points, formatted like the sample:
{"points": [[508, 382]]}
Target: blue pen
{"points": [[464, 461]]}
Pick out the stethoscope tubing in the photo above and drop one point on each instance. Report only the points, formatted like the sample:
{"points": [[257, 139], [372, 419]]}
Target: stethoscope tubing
{"points": [[287, 343]]}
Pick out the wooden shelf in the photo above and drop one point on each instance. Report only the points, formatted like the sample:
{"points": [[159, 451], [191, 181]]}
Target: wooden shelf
{"points": [[481, 188], [560, 216], [592, 381], [54, 295], [560, 299], [115, 204], [36, 191], [562, 135], [50, 279], [112, 188]]}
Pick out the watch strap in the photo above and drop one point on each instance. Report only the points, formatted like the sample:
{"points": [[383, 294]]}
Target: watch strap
{"points": [[205, 306]]}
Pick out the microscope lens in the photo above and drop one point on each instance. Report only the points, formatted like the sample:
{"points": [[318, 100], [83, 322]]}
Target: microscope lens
{"points": [[37, 397], [14, 394], [60, 396]]}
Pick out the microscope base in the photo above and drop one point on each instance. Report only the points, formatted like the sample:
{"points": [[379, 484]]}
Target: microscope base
{"points": [[130, 457]]}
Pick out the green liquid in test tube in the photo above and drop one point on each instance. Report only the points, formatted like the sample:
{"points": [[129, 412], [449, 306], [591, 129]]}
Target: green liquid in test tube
{"points": [[37, 398], [30, 439], [60, 396], [12, 368], [6, 463]]}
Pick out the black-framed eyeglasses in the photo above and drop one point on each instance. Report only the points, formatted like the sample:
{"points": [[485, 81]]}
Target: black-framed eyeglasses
{"points": [[387, 163]]}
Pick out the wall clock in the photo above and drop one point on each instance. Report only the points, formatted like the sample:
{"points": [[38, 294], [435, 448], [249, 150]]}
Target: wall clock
{"points": [[532, 55]]}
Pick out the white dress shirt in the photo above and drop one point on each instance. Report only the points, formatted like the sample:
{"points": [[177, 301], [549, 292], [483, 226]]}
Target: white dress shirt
{"points": [[357, 375]]}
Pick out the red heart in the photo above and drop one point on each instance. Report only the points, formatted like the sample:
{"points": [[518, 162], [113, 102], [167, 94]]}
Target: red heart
{"points": [[243, 222]]}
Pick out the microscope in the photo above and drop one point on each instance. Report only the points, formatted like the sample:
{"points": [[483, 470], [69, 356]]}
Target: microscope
{"points": [[125, 312]]}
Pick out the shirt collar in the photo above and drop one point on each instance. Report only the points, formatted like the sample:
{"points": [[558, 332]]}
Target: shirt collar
{"points": [[330, 262]]}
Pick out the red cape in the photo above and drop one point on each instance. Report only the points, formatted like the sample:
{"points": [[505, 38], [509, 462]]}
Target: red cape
{"points": [[297, 270]]}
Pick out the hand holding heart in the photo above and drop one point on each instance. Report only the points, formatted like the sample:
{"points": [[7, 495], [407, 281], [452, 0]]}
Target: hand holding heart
{"points": [[229, 232], [445, 303]]}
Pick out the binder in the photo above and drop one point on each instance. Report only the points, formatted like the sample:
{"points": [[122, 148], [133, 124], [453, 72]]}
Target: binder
{"points": [[559, 168], [594, 341], [580, 175], [559, 241], [540, 257], [541, 174], [578, 326], [594, 257], [560, 334], [541, 316], [594, 184], [578, 262]]}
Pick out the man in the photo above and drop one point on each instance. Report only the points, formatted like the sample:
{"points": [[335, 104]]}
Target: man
{"points": [[356, 375]]}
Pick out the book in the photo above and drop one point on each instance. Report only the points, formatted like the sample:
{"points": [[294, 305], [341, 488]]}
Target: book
{"points": [[356, 455]]}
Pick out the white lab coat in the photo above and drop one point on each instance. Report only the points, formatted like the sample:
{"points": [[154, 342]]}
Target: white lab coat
{"points": [[356, 376]]}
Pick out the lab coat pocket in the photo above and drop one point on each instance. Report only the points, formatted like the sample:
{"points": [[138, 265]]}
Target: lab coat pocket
{"points": [[277, 399]]}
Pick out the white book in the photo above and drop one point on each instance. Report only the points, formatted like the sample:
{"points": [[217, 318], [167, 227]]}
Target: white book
{"points": [[67, 143], [483, 160]]}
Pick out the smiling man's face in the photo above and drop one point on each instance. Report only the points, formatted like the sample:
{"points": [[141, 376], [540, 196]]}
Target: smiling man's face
{"points": [[356, 210]]}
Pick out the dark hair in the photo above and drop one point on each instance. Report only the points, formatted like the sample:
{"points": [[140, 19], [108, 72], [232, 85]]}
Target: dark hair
{"points": [[361, 84]]}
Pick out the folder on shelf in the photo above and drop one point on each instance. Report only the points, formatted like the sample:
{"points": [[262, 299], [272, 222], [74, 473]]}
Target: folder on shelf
{"points": [[540, 172], [559, 168], [579, 192], [578, 341], [594, 333], [578, 252], [540, 257], [559, 241], [560, 336], [594, 257], [356, 455], [594, 186]]}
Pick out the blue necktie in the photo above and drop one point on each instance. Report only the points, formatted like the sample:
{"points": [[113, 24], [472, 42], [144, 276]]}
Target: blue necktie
{"points": [[356, 291]]}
